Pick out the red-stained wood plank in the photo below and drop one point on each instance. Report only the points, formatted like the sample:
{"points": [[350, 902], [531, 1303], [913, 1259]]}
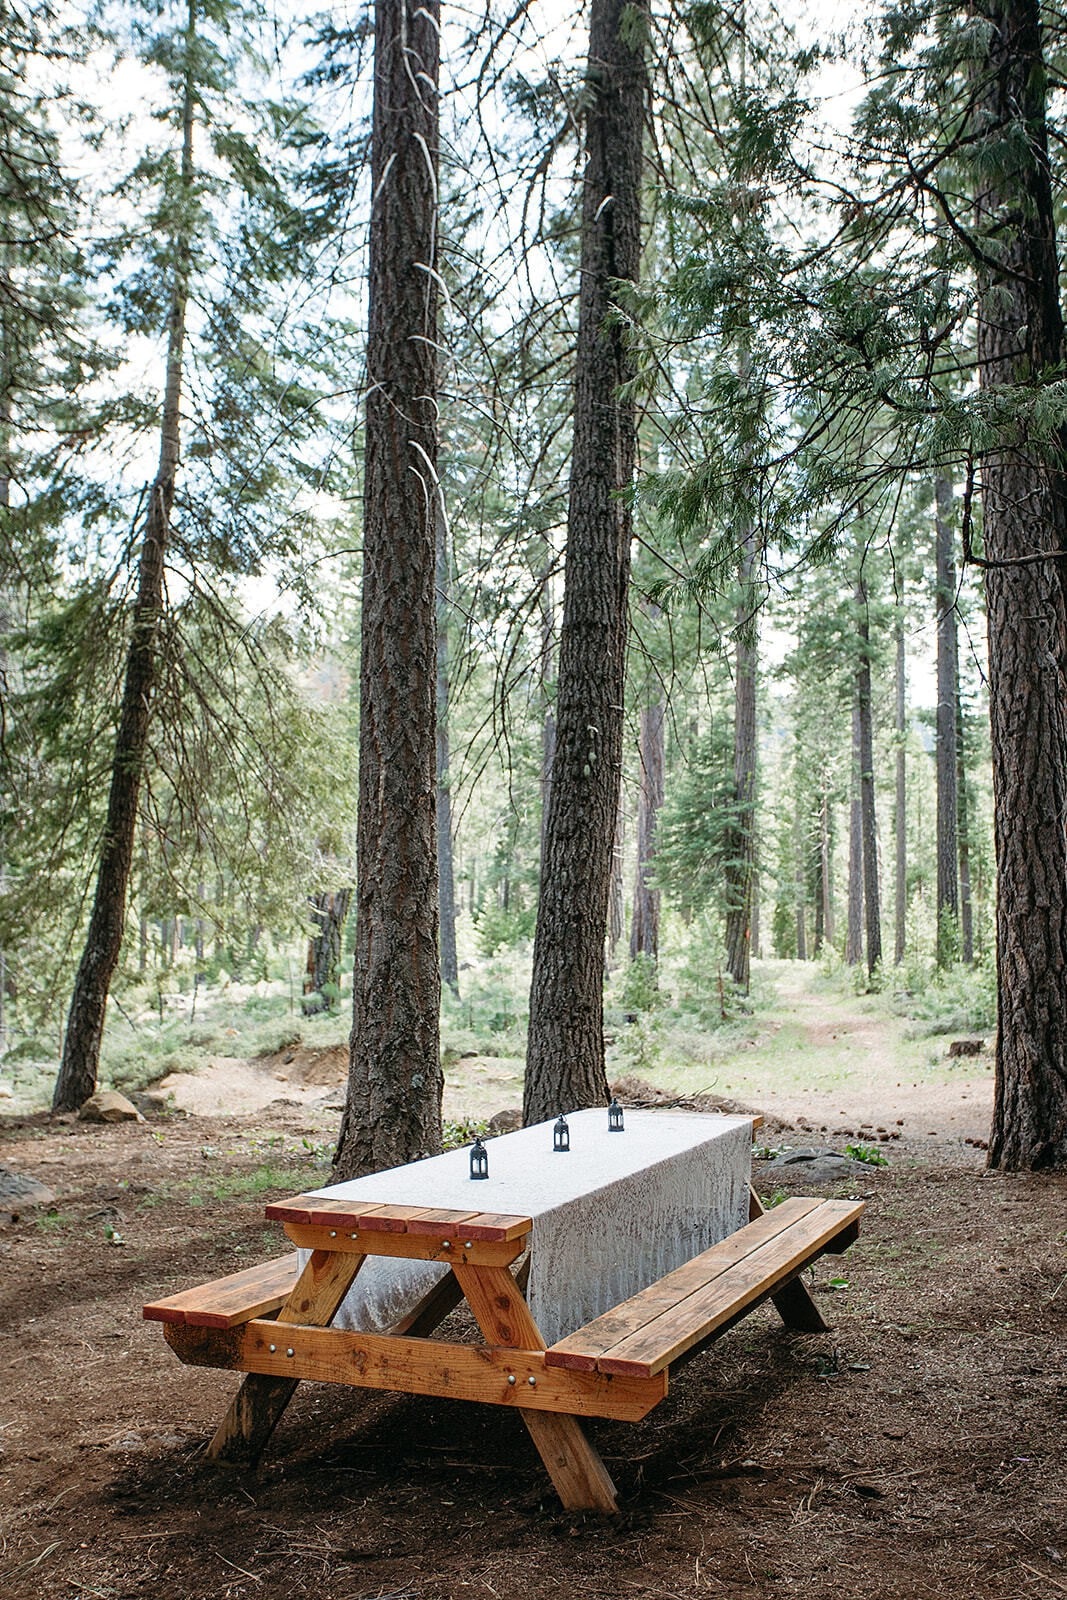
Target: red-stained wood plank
{"points": [[225, 1302], [582, 1349], [440, 1221], [489, 1225], [650, 1348], [373, 1217]]}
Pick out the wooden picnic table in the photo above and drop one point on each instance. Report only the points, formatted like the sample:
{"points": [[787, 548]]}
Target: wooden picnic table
{"points": [[273, 1321]]}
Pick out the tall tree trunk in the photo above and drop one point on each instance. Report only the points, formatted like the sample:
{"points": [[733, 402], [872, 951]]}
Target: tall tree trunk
{"points": [[948, 849], [446, 880], [854, 932], [800, 898], [813, 857], [962, 790], [826, 864], [565, 1056], [741, 845], [79, 1065], [328, 911], [900, 819], [548, 726], [1020, 336], [616, 905], [5, 619], [644, 927], [393, 1109], [871, 894]]}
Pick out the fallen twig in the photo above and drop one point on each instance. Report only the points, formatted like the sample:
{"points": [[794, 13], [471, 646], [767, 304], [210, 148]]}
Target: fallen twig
{"points": [[242, 1570], [1044, 1576]]}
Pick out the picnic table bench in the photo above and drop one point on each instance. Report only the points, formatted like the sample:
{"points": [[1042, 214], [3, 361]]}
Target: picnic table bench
{"points": [[272, 1322]]}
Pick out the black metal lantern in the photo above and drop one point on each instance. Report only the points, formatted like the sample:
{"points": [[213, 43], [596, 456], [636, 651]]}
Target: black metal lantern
{"points": [[561, 1134], [479, 1159], [615, 1117]]}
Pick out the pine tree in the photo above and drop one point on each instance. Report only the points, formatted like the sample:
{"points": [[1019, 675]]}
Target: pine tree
{"points": [[1020, 337], [565, 1053], [214, 214], [393, 1107]]}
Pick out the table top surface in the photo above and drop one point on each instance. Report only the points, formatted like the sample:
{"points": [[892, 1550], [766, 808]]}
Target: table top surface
{"points": [[528, 1177]]}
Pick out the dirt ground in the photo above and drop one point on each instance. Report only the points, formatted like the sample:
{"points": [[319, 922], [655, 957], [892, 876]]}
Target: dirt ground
{"points": [[917, 1450]]}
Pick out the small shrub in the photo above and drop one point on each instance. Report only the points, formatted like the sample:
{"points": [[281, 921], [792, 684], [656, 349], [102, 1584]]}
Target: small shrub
{"points": [[454, 1135], [640, 985], [498, 930], [958, 1000], [868, 1153]]}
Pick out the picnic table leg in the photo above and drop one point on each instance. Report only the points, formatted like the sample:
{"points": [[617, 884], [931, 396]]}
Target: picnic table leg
{"points": [[446, 1294], [792, 1302], [254, 1413], [259, 1403], [581, 1479]]}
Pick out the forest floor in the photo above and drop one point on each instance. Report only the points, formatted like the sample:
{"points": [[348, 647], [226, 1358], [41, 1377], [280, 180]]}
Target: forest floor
{"points": [[915, 1451]]}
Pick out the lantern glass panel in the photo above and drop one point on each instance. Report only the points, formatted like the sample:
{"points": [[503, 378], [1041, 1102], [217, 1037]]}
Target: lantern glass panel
{"points": [[479, 1160]]}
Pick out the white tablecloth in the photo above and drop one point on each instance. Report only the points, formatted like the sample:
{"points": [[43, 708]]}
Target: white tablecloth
{"points": [[609, 1217]]}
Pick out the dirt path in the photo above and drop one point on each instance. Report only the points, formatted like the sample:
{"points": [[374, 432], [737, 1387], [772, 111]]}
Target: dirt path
{"points": [[830, 1064], [840, 1063]]}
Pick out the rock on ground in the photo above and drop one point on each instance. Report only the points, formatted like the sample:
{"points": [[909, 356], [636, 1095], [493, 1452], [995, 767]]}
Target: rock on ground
{"points": [[19, 1194], [107, 1105]]}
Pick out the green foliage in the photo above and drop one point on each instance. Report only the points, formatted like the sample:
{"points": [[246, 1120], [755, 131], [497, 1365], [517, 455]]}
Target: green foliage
{"points": [[454, 1135], [958, 999], [490, 1017], [800, 343], [503, 927], [696, 825], [867, 1153], [641, 1047], [640, 985], [271, 1178]]}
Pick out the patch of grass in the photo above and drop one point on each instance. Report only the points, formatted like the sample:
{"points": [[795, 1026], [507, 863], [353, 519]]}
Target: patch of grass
{"points": [[262, 1180], [54, 1221], [868, 1153]]}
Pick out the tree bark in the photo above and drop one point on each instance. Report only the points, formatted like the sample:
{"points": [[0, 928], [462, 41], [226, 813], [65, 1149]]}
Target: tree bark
{"points": [[328, 910], [871, 894], [5, 623], [616, 906], [826, 860], [446, 880], [962, 788], [741, 845], [80, 1061], [800, 898], [548, 726], [948, 848], [900, 818], [1020, 340], [644, 926], [565, 1056], [813, 857], [393, 1108], [854, 932]]}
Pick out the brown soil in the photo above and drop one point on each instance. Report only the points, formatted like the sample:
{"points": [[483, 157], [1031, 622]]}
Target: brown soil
{"points": [[916, 1451]]}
